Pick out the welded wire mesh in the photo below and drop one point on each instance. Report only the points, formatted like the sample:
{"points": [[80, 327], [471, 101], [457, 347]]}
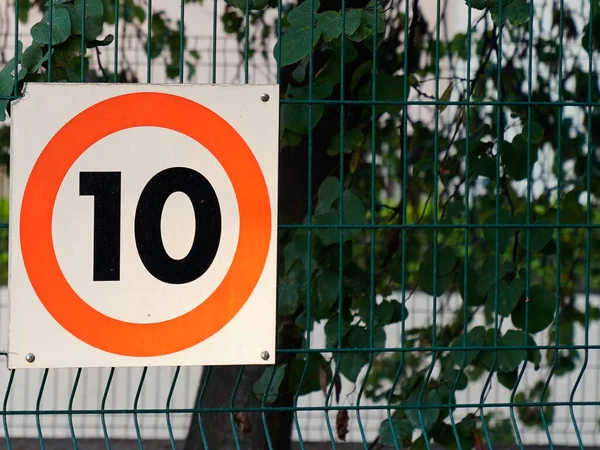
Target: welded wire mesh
{"points": [[145, 405]]}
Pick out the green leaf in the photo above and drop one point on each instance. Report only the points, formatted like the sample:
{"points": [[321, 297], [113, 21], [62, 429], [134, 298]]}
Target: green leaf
{"points": [[101, 43], [353, 18], [537, 132], [353, 138], [354, 212], [446, 260], [304, 323], [429, 415], [61, 27], [299, 73], [505, 233], [401, 428], [135, 12], [320, 90], [534, 354], [594, 24], [361, 71], [24, 8], [541, 310], [367, 22], [330, 24], [514, 158], [73, 70], [470, 293], [294, 117], [291, 290], [509, 360], [538, 237], [419, 444], [454, 376], [361, 34], [7, 79], [94, 18], [425, 278], [487, 277], [327, 236], [510, 294], [255, 5], [329, 192], [390, 311], [32, 58], [383, 313], [475, 338], [268, 392], [388, 88], [67, 60], [423, 165], [55, 2], [487, 356], [477, 4], [3, 106], [301, 14], [296, 43], [331, 331], [351, 363], [483, 165], [400, 311], [515, 11], [443, 434], [311, 366], [296, 249], [508, 379], [328, 291]]}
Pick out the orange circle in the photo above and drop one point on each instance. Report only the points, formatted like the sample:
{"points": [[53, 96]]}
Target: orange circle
{"points": [[88, 127]]}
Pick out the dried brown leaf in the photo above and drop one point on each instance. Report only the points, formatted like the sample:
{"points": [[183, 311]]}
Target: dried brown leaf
{"points": [[355, 159], [446, 97], [323, 379], [341, 424], [478, 441], [242, 421], [338, 388]]}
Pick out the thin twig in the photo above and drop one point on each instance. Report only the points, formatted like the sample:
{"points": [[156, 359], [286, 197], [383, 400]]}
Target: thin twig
{"points": [[445, 205], [100, 65]]}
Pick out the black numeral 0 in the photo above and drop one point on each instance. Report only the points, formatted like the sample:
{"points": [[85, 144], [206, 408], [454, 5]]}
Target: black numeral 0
{"points": [[106, 189]]}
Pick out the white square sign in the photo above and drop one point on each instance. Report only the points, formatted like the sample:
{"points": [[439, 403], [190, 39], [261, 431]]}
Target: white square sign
{"points": [[143, 225]]}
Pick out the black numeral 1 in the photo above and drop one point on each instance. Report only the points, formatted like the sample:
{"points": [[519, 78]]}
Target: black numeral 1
{"points": [[106, 189]]}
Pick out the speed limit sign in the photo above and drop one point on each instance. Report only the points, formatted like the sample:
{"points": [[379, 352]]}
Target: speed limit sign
{"points": [[143, 225]]}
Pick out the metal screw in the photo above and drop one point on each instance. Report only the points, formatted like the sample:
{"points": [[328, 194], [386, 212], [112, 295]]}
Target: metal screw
{"points": [[265, 98], [265, 355], [30, 357]]}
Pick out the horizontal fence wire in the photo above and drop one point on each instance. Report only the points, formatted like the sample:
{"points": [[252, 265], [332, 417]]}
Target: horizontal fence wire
{"points": [[438, 187]]}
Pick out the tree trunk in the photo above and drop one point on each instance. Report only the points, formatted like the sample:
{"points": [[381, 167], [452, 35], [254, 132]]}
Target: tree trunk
{"points": [[249, 432], [222, 430], [293, 207]]}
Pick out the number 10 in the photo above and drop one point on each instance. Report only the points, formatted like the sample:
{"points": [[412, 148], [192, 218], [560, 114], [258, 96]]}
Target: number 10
{"points": [[105, 187]]}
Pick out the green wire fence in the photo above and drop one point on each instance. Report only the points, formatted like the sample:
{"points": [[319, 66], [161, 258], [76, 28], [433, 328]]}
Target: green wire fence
{"points": [[440, 181]]}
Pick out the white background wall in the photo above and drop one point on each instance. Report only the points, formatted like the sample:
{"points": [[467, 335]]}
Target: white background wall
{"points": [[25, 389]]}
